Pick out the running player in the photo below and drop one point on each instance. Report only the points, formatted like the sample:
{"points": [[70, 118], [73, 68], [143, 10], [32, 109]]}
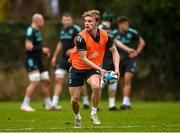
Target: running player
{"points": [[128, 37], [107, 18], [34, 65], [64, 47], [86, 59]]}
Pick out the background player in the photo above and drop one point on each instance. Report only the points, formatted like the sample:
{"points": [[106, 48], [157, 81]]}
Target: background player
{"points": [[64, 47], [128, 37], [107, 18], [34, 64]]}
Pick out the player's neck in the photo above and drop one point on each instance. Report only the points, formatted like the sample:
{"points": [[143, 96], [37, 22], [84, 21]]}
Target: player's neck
{"points": [[93, 32], [121, 30], [66, 26], [34, 26]]}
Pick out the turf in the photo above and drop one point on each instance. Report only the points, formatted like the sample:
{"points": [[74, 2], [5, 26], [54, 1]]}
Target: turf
{"points": [[144, 116]]}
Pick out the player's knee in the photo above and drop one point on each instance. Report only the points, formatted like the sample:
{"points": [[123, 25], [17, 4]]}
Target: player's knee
{"points": [[95, 87], [127, 82], [46, 82], [113, 86], [59, 81], [74, 100], [35, 83]]}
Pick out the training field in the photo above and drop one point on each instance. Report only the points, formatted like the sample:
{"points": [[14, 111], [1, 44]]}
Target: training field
{"points": [[145, 116]]}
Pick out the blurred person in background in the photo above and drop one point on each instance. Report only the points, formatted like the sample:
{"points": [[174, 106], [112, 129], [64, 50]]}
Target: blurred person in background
{"points": [[128, 37], [64, 47], [107, 18], [34, 64]]}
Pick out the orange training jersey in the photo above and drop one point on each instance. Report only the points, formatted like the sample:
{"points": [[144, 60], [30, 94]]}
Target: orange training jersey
{"points": [[95, 50]]}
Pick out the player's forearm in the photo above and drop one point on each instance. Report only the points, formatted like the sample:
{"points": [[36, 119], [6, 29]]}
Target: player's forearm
{"points": [[90, 63], [121, 45], [116, 59], [140, 45], [57, 51]]}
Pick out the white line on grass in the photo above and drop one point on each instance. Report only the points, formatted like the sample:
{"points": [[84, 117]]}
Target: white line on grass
{"points": [[96, 127]]}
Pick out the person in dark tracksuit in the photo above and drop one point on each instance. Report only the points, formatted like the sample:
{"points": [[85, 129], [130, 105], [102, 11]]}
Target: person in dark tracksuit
{"points": [[64, 47], [34, 64], [107, 18], [128, 36]]}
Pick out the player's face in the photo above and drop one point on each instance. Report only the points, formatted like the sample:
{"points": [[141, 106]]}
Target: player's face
{"points": [[124, 26], [90, 23], [67, 21], [41, 22]]}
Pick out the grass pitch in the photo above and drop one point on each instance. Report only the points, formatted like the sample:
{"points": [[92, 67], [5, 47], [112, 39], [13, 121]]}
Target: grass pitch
{"points": [[144, 116]]}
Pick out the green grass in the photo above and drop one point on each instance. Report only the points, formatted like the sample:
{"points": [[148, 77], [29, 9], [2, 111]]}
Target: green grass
{"points": [[145, 116]]}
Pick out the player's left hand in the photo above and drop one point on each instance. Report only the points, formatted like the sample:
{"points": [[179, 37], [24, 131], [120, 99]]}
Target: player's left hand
{"points": [[46, 51], [133, 54], [117, 72]]}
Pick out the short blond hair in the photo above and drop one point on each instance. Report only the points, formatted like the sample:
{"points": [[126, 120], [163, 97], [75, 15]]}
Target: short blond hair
{"points": [[92, 13]]}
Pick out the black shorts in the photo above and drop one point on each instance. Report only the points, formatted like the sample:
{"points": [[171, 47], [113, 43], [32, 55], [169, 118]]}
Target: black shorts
{"points": [[77, 77], [63, 64], [127, 65], [34, 63]]}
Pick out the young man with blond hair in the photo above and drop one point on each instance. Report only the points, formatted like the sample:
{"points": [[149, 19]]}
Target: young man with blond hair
{"points": [[86, 59]]}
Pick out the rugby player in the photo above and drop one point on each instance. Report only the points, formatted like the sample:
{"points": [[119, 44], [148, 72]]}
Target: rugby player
{"points": [[86, 59], [107, 18], [34, 64], [128, 36], [64, 47]]}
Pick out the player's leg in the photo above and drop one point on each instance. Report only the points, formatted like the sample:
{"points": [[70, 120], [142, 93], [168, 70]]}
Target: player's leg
{"points": [[34, 77], [127, 83], [94, 82], [76, 81], [112, 96], [85, 97], [32, 68], [126, 104], [75, 93], [60, 75], [45, 82], [108, 65]]}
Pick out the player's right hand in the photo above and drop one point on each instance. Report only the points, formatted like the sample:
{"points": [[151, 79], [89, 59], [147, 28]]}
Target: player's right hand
{"points": [[132, 53], [53, 62], [102, 72]]}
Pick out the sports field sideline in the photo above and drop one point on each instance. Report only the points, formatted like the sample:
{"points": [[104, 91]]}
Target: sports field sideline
{"points": [[144, 116]]}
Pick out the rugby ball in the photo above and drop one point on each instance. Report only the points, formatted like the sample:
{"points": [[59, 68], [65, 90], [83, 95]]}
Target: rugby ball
{"points": [[111, 77]]}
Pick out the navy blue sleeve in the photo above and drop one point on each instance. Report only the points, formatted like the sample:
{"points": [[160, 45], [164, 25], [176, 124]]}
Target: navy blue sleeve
{"points": [[135, 34], [77, 29], [80, 43], [110, 42]]}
